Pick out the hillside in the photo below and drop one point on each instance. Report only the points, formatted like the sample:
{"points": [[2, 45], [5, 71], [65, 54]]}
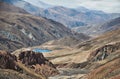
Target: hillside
{"points": [[30, 30], [11, 8], [90, 56], [23, 67], [100, 29]]}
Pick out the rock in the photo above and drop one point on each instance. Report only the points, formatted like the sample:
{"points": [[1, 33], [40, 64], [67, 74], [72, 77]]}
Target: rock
{"points": [[38, 63], [102, 52], [7, 61]]}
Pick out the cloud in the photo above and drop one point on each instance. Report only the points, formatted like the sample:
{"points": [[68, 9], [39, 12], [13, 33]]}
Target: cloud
{"points": [[110, 6]]}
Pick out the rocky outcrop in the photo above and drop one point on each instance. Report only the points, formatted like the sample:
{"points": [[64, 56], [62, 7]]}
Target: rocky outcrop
{"points": [[7, 61], [104, 62], [35, 65], [38, 63], [102, 52]]}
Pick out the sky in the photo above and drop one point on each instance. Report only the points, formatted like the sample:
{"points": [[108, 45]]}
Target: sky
{"points": [[110, 6]]}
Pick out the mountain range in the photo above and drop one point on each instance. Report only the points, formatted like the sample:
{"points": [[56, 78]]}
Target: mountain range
{"points": [[29, 30], [82, 43], [70, 17], [100, 29]]}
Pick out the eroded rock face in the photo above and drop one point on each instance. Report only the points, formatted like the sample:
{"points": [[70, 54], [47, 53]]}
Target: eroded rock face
{"points": [[38, 63], [7, 61], [103, 52]]}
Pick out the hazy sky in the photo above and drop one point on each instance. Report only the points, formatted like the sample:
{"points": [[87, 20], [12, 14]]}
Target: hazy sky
{"points": [[105, 5]]}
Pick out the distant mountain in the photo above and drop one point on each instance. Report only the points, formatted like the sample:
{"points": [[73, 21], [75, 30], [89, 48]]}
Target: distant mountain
{"points": [[11, 8], [29, 30], [111, 25], [24, 5], [67, 16], [100, 29], [39, 3]]}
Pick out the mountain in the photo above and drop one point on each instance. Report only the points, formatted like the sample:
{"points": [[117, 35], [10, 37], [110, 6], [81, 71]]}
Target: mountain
{"points": [[75, 17], [70, 17], [24, 5], [100, 29], [108, 57], [29, 30], [92, 59], [111, 25], [11, 8]]}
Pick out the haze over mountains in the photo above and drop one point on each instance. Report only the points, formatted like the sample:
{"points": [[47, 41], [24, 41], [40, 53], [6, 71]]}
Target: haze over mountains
{"points": [[100, 29], [68, 16]]}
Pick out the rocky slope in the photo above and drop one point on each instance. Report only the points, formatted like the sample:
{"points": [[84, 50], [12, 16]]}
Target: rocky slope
{"points": [[7, 61], [108, 66], [9, 67], [37, 63], [91, 57], [27, 65], [28, 30]]}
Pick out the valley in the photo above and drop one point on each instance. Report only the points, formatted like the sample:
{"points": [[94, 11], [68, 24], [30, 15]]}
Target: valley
{"points": [[46, 41]]}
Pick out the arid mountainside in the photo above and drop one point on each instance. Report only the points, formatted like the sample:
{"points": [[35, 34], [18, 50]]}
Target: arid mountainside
{"points": [[66, 41], [93, 55], [105, 62], [10, 45], [29, 30], [35, 47]]}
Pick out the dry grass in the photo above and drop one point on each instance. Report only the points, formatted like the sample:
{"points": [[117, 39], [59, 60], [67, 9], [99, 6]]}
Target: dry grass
{"points": [[30, 72], [106, 71]]}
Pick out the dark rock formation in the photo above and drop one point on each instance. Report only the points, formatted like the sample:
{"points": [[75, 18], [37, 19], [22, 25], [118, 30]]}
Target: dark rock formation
{"points": [[38, 63], [7, 61]]}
